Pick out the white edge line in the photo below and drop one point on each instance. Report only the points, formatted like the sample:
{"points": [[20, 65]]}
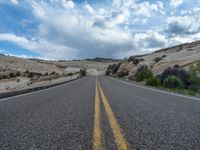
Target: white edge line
{"points": [[156, 90], [34, 92]]}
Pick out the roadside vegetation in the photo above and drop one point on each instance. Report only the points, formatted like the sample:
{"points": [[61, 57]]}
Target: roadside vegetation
{"points": [[83, 72], [174, 78]]}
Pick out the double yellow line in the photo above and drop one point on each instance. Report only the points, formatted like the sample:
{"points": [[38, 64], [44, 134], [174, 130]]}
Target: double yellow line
{"points": [[97, 137]]}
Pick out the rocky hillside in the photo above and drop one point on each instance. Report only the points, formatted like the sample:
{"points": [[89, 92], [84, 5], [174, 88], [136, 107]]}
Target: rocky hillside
{"points": [[182, 55], [19, 73]]}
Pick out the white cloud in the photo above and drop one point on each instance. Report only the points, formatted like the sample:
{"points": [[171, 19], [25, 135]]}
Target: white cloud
{"points": [[12, 2], [149, 41], [77, 31], [68, 4], [176, 3], [15, 2], [65, 29], [183, 25], [45, 48]]}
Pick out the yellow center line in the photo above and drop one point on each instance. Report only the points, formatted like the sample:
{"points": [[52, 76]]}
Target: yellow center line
{"points": [[97, 125], [122, 144]]}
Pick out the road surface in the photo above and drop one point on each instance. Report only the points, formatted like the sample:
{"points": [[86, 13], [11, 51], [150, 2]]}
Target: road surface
{"points": [[99, 113]]}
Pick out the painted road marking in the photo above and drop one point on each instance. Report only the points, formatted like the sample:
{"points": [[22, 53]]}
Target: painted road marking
{"points": [[121, 142], [97, 123]]}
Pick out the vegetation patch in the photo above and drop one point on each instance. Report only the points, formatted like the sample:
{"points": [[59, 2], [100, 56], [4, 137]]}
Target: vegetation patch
{"points": [[143, 72], [174, 79], [173, 82], [112, 69], [153, 81], [134, 60]]}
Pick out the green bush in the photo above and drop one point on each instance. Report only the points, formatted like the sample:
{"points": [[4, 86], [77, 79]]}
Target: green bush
{"points": [[173, 82], [194, 79], [112, 69], [153, 81], [143, 72], [178, 72]]}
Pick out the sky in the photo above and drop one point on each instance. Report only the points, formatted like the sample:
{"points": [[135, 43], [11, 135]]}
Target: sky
{"points": [[78, 29]]}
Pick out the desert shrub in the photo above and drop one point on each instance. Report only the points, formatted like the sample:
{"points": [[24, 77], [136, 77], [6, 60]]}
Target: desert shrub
{"points": [[178, 72], [132, 78], [112, 69], [31, 74], [143, 72], [46, 74], [4, 77], [157, 59], [122, 73], [134, 60], [176, 66], [17, 74], [38, 73], [195, 68], [82, 72], [153, 81], [194, 79], [53, 73], [11, 75], [26, 72], [173, 82], [70, 74]]}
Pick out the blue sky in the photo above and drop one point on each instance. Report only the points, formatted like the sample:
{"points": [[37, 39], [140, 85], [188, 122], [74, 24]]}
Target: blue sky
{"points": [[66, 29]]}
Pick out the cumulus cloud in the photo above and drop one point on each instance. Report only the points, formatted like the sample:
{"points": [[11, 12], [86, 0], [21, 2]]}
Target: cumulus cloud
{"points": [[149, 41], [77, 31], [183, 25], [46, 49], [65, 29]]}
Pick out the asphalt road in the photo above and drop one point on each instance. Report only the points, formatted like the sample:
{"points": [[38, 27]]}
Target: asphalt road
{"points": [[99, 113]]}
